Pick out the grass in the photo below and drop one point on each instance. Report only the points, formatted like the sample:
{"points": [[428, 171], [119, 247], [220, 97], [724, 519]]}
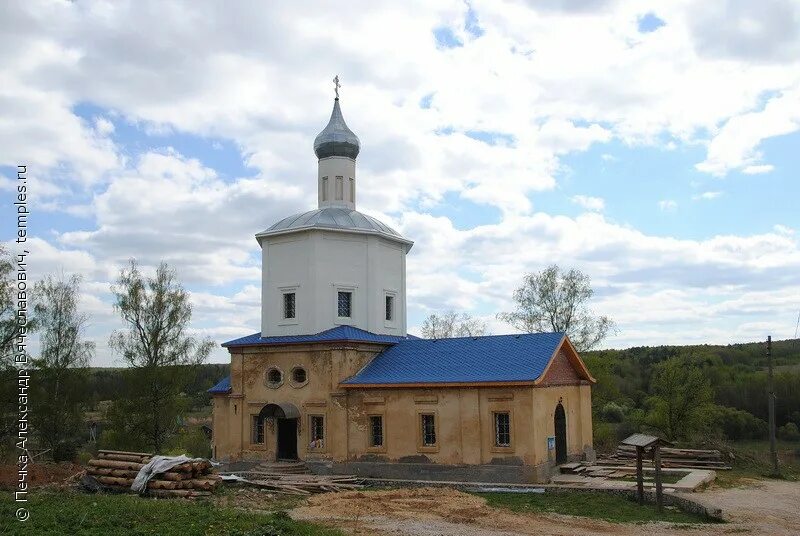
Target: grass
{"points": [[77, 514], [752, 461], [614, 508]]}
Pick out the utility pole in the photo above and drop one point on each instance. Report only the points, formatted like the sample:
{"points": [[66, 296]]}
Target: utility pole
{"points": [[773, 449]]}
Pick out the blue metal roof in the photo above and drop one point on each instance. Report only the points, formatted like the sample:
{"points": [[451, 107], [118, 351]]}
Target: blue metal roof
{"points": [[339, 333], [224, 386], [498, 358]]}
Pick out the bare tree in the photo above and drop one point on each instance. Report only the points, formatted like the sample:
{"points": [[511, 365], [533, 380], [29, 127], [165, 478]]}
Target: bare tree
{"points": [[157, 348], [553, 300], [451, 324], [61, 366]]}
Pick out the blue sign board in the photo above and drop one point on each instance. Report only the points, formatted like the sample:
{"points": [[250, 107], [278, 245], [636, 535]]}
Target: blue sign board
{"points": [[551, 443]]}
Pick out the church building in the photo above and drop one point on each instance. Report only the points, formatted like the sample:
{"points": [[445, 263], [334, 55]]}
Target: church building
{"points": [[334, 380]]}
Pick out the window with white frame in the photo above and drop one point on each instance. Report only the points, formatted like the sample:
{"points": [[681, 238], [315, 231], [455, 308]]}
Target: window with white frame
{"points": [[352, 190], [344, 304], [324, 188], [289, 305]]}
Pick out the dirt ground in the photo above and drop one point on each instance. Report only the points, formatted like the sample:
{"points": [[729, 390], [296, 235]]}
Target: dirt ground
{"points": [[764, 508], [39, 474]]}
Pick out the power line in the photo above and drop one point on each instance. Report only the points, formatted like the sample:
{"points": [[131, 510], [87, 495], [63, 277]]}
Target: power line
{"points": [[797, 325]]}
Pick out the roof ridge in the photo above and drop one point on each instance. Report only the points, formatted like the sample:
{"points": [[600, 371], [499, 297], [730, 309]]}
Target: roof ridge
{"points": [[494, 336]]}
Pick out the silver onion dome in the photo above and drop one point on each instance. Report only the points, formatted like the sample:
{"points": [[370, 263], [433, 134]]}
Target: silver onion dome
{"points": [[336, 139]]}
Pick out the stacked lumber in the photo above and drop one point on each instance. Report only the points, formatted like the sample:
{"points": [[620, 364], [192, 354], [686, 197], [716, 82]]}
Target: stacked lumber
{"points": [[673, 457], [116, 470], [295, 484]]}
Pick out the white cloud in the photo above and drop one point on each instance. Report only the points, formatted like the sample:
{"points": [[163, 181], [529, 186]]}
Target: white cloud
{"points": [[589, 203], [667, 205], [256, 80], [757, 169], [736, 144], [707, 196]]}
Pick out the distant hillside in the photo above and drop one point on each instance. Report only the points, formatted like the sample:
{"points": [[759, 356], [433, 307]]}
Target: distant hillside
{"points": [[753, 355]]}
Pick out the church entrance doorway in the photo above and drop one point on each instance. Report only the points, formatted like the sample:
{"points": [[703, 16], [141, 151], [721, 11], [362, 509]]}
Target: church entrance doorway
{"points": [[287, 439], [286, 418], [560, 422]]}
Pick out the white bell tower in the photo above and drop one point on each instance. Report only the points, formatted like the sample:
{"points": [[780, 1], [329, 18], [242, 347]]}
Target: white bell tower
{"points": [[333, 266]]}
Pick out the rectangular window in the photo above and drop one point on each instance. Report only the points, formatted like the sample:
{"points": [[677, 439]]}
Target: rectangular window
{"points": [[390, 308], [289, 305], [428, 431], [352, 190], [502, 430], [339, 188], [317, 431], [324, 188], [344, 304], [376, 431], [258, 430]]}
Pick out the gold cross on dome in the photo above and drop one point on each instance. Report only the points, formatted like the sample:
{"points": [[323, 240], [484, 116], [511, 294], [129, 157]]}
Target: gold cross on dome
{"points": [[336, 85]]}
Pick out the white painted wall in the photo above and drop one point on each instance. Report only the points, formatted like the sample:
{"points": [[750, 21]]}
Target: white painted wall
{"points": [[315, 264], [328, 170]]}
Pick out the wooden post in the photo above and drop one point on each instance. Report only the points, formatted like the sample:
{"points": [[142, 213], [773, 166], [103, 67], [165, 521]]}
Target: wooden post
{"points": [[657, 463], [773, 449], [639, 475]]}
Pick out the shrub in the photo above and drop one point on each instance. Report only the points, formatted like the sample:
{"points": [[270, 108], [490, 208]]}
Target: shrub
{"points": [[604, 437], [739, 424], [65, 452], [612, 412], [191, 441], [789, 432]]}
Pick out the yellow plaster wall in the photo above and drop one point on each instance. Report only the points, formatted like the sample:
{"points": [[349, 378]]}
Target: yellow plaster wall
{"points": [[577, 402], [464, 423], [325, 367], [464, 415]]}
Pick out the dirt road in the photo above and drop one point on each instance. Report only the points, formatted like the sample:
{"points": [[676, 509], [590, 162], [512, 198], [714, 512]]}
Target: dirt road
{"points": [[764, 508]]}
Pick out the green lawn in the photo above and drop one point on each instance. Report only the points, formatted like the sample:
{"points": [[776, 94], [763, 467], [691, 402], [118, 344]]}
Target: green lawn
{"points": [[612, 508], [78, 514]]}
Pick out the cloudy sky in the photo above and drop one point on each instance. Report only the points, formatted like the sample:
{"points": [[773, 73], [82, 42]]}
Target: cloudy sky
{"points": [[653, 145]]}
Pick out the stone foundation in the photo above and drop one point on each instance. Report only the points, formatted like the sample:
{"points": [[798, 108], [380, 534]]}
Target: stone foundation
{"points": [[501, 473]]}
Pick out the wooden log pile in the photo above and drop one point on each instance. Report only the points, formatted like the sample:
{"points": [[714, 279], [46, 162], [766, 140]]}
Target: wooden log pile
{"points": [[295, 484], [672, 457], [117, 469]]}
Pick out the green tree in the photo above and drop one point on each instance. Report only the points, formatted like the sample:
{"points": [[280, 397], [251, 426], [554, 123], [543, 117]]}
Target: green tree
{"points": [[61, 368], [451, 324], [682, 396], [554, 300], [155, 345], [8, 311], [8, 332]]}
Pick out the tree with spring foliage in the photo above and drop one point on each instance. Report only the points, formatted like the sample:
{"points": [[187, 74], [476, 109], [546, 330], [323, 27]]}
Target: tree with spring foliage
{"points": [[158, 349], [9, 328], [61, 367], [451, 324], [557, 301], [682, 397]]}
